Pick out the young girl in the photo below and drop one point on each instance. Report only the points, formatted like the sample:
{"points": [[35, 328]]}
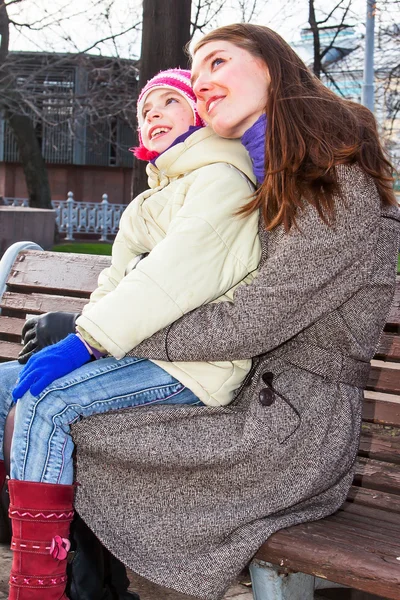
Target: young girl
{"points": [[283, 452], [199, 251]]}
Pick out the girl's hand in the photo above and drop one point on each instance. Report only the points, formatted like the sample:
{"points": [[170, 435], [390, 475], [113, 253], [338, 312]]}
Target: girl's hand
{"points": [[49, 364]]}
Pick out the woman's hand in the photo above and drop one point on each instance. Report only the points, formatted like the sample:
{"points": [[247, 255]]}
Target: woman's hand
{"points": [[49, 364]]}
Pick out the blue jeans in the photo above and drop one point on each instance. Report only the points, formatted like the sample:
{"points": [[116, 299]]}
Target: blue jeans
{"points": [[42, 445]]}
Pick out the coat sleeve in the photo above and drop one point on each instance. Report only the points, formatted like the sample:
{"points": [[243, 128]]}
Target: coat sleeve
{"points": [[310, 272], [207, 250]]}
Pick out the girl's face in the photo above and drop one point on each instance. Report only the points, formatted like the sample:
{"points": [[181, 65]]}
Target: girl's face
{"points": [[166, 115], [231, 87]]}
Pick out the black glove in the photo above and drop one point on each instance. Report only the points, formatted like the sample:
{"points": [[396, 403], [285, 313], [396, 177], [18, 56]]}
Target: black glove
{"points": [[45, 330]]}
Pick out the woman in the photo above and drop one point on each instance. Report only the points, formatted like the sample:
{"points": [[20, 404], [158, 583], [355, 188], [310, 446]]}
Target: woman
{"points": [[186, 495], [205, 487]]}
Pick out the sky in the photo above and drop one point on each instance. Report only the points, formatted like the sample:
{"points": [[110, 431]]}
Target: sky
{"points": [[75, 25]]}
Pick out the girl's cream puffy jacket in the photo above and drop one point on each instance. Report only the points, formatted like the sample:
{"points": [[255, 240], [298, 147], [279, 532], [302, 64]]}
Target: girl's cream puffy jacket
{"points": [[200, 250]]}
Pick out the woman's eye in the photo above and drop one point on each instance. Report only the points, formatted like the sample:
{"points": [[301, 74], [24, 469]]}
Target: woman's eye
{"points": [[216, 62]]}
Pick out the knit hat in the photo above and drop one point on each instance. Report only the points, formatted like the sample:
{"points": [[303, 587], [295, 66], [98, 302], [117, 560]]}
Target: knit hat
{"points": [[174, 79]]}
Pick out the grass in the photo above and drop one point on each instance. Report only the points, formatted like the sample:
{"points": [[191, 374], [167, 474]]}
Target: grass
{"points": [[84, 248]]}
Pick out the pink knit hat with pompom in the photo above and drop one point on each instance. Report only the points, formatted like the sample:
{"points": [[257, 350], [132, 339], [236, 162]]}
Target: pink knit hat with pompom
{"points": [[174, 79]]}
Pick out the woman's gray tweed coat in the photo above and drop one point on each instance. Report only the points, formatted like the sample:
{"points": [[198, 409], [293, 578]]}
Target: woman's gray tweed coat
{"points": [[185, 495]]}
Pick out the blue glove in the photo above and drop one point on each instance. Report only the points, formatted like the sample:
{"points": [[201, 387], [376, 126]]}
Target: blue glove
{"points": [[51, 363]]}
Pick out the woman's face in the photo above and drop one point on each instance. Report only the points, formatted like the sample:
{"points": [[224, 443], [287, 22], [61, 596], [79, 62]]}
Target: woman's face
{"points": [[231, 87]]}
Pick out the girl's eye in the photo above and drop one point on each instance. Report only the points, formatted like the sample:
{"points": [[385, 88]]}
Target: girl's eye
{"points": [[169, 100], [216, 62]]}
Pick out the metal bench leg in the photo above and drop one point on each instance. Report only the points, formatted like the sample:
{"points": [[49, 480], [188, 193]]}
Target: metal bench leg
{"points": [[8, 260], [269, 584]]}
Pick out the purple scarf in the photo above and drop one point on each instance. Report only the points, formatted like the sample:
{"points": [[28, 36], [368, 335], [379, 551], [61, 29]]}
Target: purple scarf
{"points": [[253, 140]]}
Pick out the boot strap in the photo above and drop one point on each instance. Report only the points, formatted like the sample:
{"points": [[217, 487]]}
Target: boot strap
{"points": [[30, 546], [44, 516], [36, 582]]}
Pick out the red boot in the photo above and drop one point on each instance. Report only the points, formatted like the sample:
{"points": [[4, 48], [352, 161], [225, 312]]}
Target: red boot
{"points": [[41, 514]]}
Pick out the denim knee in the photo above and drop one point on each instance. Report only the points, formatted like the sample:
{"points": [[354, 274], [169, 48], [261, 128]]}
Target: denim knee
{"points": [[8, 377]]}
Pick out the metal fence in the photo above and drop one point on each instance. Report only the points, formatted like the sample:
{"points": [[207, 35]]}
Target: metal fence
{"points": [[73, 217], [100, 218]]}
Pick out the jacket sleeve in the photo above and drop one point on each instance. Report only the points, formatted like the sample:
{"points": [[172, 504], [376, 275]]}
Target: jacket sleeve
{"points": [[207, 250], [310, 272]]}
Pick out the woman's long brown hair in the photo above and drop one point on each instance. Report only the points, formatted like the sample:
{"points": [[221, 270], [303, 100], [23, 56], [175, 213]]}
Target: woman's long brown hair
{"points": [[310, 130]]}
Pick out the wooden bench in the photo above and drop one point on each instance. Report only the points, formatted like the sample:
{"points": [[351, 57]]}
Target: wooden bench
{"points": [[359, 546]]}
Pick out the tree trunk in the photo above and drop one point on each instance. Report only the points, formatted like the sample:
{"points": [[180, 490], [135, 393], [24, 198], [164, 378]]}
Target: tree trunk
{"points": [[165, 33], [32, 160], [316, 41]]}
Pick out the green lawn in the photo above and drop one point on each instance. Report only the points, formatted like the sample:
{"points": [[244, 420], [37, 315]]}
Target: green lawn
{"points": [[84, 248]]}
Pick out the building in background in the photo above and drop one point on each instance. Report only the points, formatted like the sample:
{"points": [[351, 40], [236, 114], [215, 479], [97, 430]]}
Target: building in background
{"points": [[83, 110]]}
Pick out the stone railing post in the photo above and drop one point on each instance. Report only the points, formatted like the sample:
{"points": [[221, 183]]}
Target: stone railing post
{"points": [[104, 210], [70, 206]]}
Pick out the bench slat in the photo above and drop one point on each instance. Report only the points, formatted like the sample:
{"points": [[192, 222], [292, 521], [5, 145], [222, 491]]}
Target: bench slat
{"points": [[384, 380], [57, 271], [380, 442], [377, 475], [366, 497], [9, 350], [10, 328], [370, 516], [381, 408], [379, 538], [306, 547], [40, 303], [389, 348]]}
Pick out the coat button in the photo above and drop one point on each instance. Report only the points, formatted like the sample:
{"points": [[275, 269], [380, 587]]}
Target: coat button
{"points": [[267, 377], [266, 397]]}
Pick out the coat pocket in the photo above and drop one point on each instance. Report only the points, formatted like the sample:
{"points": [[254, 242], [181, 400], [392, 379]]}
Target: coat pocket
{"points": [[276, 410]]}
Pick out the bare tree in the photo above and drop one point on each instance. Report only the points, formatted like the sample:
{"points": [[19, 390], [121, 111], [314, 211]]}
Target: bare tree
{"points": [[205, 14], [22, 126], [338, 58], [249, 10], [388, 75], [30, 100], [338, 14]]}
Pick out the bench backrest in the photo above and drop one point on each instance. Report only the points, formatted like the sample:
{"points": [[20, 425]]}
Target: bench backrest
{"points": [[40, 282]]}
